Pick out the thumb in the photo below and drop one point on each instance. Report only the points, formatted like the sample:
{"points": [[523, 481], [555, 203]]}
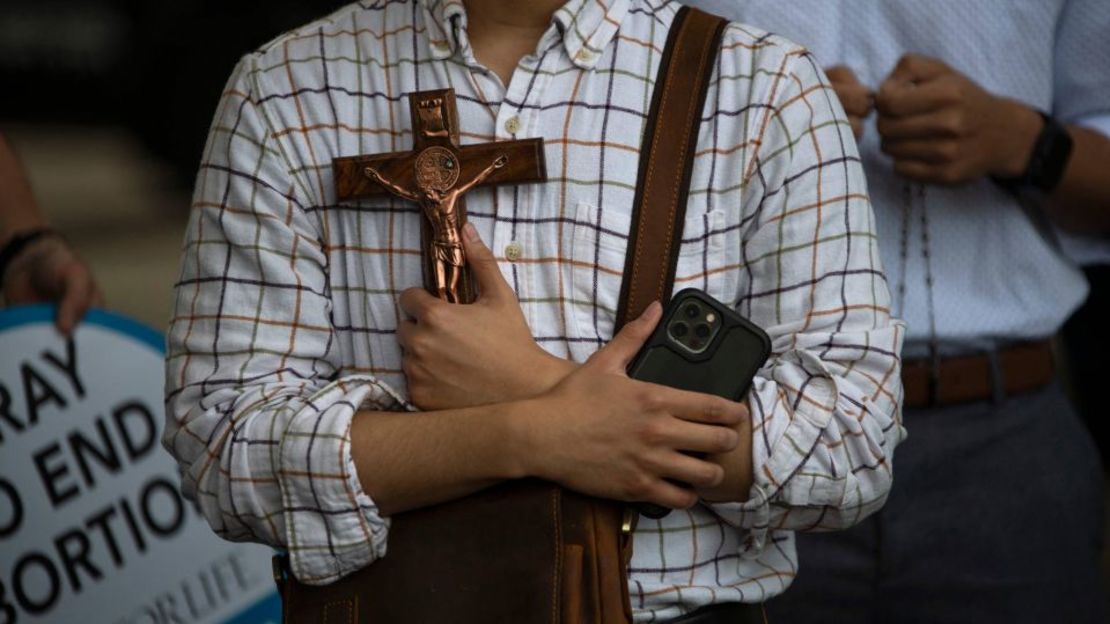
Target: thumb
{"points": [[481, 260], [915, 68], [842, 74], [624, 346], [76, 295]]}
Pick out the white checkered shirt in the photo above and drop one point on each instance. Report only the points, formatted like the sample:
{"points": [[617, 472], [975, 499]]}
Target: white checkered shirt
{"points": [[287, 301]]}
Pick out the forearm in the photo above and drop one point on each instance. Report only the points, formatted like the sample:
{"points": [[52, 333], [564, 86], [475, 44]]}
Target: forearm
{"points": [[1081, 203], [737, 463], [407, 460], [18, 210]]}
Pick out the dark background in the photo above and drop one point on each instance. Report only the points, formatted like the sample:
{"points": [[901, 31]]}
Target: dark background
{"points": [[155, 68], [108, 104]]}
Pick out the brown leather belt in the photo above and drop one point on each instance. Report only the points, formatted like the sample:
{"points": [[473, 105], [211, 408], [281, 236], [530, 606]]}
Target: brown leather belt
{"points": [[963, 379]]}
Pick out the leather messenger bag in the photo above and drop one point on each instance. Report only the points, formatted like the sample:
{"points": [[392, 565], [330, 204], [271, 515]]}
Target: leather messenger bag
{"points": [[529, 551]]}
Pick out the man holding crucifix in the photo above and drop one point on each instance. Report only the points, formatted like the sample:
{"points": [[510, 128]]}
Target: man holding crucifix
{"points": [[315, 389]]}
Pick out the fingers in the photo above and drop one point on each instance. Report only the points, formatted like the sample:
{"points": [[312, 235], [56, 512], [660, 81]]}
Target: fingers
{"points": [[690, 470], [842, 74], [669, 495], [623, 347], [19, 289], [700, 438], [856, 99], [856, 123], [906, 99], [418, 303], [77, 293], [406, 330], [924, 150], [491, 283], [856, 102], [917, 68], [943, 123], [704, 408]]}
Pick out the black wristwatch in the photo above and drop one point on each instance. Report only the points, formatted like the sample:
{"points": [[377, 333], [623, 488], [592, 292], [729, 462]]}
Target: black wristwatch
{"points": [[1051, 152]]}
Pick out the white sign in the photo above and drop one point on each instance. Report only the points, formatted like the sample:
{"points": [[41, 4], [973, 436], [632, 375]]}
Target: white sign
{"points": [[93, 527]]}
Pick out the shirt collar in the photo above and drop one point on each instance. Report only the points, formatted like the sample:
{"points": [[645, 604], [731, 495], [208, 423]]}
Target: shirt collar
{"points": [[586, 27]]}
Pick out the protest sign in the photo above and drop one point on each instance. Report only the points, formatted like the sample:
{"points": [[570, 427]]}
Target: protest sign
{"points": [[93, 527]]}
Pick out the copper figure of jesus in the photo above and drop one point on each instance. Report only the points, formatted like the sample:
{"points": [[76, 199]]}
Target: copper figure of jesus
{"points": [[437, 172]]}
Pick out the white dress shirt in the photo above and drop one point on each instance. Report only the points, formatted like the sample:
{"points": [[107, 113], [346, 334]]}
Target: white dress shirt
{"points": [[997, 277]]}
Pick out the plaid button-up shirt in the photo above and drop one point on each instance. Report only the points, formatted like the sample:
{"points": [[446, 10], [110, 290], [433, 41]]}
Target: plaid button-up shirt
{"points": [[287, 301]]}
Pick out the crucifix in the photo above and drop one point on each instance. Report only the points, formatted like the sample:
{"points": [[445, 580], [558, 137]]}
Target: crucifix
{"points": [[436, 174]]}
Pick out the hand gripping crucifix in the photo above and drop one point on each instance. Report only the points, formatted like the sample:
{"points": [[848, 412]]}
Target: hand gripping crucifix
{"points": [[436, 174]]}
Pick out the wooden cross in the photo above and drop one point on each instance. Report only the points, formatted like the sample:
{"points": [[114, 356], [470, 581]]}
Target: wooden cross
{"points": [[437, 173]]}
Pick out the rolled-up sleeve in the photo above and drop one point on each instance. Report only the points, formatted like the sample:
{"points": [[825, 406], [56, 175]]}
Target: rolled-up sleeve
{"points": [[826, 407], [258, 415]]}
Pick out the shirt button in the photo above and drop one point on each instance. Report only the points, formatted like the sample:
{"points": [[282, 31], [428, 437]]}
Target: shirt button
{"points": [[512, 124], [513, 251], [584, 55]]}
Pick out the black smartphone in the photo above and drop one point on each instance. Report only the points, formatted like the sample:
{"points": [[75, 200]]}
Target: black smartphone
{"points": [[700, 345]]}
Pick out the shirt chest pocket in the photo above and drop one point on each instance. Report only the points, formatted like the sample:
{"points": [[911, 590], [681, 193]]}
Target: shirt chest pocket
{"points": [[599, 242]]}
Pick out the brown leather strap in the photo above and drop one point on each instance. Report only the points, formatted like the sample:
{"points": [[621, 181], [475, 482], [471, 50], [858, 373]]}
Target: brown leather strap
{"points": [[1020, 368], [666, 158]]}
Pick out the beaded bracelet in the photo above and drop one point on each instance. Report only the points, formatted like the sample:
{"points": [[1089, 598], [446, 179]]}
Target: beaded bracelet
{"points": [[17, 244]]}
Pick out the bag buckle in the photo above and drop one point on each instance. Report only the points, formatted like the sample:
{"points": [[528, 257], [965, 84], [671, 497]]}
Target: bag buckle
{"points": [[628, 521]]}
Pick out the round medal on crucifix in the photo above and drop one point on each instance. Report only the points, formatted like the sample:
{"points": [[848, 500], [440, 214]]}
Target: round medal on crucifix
{"points": [[437, 168], [431, 174]]}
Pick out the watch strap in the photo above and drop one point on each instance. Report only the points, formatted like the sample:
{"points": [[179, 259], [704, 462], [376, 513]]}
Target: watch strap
{"points": [[1048, 160], [16, 244]]}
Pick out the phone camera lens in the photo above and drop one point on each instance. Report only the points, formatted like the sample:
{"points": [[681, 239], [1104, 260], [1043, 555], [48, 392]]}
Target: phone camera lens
{"points": [[702, 330], [692, 311], [679, 329]]}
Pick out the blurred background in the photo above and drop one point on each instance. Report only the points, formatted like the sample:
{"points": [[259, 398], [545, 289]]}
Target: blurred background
{"points": [[108, 102]]}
